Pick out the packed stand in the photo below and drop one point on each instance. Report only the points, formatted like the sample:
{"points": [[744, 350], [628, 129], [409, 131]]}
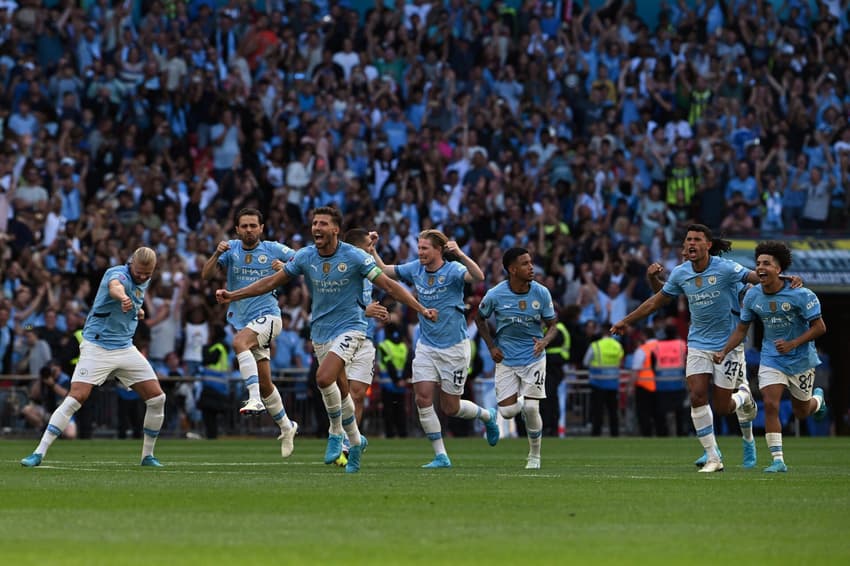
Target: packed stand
{"points": [[590, 137]]}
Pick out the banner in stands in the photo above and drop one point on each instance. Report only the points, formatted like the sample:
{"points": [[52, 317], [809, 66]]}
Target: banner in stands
{"points": [[823, 263]]}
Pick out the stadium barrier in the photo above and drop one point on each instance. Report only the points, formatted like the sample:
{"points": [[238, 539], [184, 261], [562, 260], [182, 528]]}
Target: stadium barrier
{"points": [[304, 405]]}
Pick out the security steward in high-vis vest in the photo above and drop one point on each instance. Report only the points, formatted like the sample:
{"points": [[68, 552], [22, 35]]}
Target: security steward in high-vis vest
{"points": [[643, 368], [215, 392], [393, 356], [603, 359], [671, 356], [557, 354]]}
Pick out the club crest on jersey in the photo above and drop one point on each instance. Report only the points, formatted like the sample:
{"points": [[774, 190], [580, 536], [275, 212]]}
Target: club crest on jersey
{"points": [[430, 281], [326, 268], [138, 293], [772, 306], [262, 258], [786, 307], [535, 305], [342, 267], [522, 305], [248, 258], [698, 281], [712, 279], [441, 279]]}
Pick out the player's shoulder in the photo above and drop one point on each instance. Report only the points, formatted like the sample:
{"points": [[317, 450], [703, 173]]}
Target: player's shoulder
{"points": [[411, 267], [801, 293], [497, 289], [538, 287], [681, 270], [119, 272], [273, 245], [726, 264], [753, 294]]}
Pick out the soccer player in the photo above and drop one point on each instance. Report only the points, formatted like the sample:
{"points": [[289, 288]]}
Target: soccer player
{"points": [[521, 306], [107, 349], [335, 272], [710, 284], [443, 351], [743, 414], [256, 320], [792, 322], [361, 371]]}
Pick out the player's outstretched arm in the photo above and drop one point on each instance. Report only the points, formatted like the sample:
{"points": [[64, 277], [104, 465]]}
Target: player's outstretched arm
{"points": [[402, 295], [648, 307], [736, 338], [255, 289]]}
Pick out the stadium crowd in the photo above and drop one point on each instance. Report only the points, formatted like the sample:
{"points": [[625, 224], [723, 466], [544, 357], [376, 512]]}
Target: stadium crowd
{"points": [[584, 135]]}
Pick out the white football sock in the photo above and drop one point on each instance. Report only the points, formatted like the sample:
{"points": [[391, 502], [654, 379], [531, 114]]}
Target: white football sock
{"points": [[332, 398], [533, 426], [154, 416], [274, 405], [469, 410], [510, 411], [746, 430], [703, 420], [349, 421], [58, 421], [249, 373], [774, 444], [431, 426]]}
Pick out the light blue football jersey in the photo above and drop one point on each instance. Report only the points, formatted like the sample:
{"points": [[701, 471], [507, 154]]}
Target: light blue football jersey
{"points": [[107, 326], [244, 267], [786, 315], [441, 290], [519, 320], [336, 287], [712, 300]]}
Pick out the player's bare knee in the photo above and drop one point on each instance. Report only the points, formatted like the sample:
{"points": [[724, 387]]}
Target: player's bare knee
{"points": [[771, 405]]}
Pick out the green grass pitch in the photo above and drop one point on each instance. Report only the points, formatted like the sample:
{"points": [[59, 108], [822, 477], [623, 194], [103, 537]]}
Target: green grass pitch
{"points": [[595, 501]]}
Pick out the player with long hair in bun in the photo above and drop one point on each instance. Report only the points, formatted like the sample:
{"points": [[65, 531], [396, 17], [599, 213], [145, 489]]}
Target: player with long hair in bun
{"points": [[711, 284]]}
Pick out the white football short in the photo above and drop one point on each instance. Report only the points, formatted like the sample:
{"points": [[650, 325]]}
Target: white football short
{"points": [[800, 385], [96, 364], [362, 366], [446, 366], [726, 375], [345, 346], [528, 381], [267, 329]]}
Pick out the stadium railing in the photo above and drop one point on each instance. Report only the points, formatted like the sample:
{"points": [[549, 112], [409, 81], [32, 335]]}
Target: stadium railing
{"points": [[303, 404]]}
